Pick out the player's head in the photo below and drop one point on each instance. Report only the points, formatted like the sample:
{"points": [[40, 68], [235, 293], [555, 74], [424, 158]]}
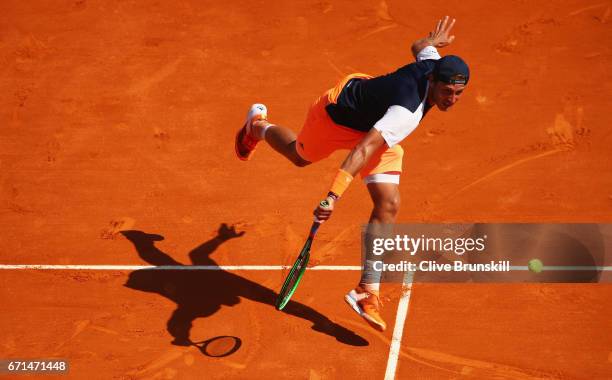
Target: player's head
{"points": [[447, 81]]}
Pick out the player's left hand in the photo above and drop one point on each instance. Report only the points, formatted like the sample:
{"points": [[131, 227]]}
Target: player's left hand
{"points": [[439, 37]]}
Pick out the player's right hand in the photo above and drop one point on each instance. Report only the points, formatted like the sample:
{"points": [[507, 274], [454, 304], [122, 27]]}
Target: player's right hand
{"points": [[324, 209]]}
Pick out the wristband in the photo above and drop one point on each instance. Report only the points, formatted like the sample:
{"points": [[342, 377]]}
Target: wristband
{"points": [[333, 196], [341, 182]]}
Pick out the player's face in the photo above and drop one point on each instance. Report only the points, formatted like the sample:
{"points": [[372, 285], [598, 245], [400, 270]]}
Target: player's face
{"points": [[445, 95]]}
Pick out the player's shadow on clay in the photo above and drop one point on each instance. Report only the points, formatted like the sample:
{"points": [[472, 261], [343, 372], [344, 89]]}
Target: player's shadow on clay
{"points": [[201, 293]]}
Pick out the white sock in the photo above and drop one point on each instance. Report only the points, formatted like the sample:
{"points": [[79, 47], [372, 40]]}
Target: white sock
{"points": [[262, 134], [375, 287]]}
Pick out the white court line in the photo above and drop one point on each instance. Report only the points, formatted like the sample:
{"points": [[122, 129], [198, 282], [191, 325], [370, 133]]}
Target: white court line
{"points": [[171, 267], [404, 302], [246, 267], [398, 329], [567, 267]]}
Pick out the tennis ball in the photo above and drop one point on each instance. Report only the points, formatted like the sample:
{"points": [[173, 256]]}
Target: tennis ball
{"points": [[535, 265]]}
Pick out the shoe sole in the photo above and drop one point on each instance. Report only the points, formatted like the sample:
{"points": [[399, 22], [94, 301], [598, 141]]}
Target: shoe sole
{"points": [[241, 132], [353, 304], [239, 136]]}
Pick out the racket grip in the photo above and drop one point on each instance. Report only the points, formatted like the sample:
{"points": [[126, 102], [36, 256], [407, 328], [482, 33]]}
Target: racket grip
{"points": [[317, 222], [324, 203]]}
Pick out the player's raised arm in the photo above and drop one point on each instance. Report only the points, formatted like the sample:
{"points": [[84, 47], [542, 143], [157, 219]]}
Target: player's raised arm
{"points": [[438, 38]]}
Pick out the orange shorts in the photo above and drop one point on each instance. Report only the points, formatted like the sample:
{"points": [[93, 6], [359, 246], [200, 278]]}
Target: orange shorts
{"points": [[320, 136]]}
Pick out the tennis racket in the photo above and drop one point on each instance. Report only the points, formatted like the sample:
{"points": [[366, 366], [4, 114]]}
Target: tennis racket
{"points": [[299, 267]]}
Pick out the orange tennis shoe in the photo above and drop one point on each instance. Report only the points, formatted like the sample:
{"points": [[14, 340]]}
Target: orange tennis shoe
{"points": [[367, 305], [247, 137]]}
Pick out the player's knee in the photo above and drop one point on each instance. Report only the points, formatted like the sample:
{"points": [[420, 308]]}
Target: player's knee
{"points": [[388, 207], [392, 204]]}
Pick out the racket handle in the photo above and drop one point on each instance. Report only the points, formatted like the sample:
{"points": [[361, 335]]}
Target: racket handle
{"points": [[325, 204], [314, 228]]}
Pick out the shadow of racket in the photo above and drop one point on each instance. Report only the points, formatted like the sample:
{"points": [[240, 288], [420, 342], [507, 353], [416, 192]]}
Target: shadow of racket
{"points": [[219, 346]]}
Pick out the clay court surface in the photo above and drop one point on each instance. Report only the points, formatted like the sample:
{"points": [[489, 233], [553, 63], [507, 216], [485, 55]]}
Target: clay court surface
{"points": [[121, 115]]}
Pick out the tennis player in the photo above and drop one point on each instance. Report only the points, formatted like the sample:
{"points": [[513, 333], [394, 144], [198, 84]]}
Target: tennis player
{"points": [[368, 116]]}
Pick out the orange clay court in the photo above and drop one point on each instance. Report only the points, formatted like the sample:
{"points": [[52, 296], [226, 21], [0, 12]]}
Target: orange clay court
{"points": [[121, 115]]}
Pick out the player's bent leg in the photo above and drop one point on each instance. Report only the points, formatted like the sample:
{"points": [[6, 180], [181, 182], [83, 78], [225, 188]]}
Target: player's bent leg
{"points": [[283, 140], [257, 128]]}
